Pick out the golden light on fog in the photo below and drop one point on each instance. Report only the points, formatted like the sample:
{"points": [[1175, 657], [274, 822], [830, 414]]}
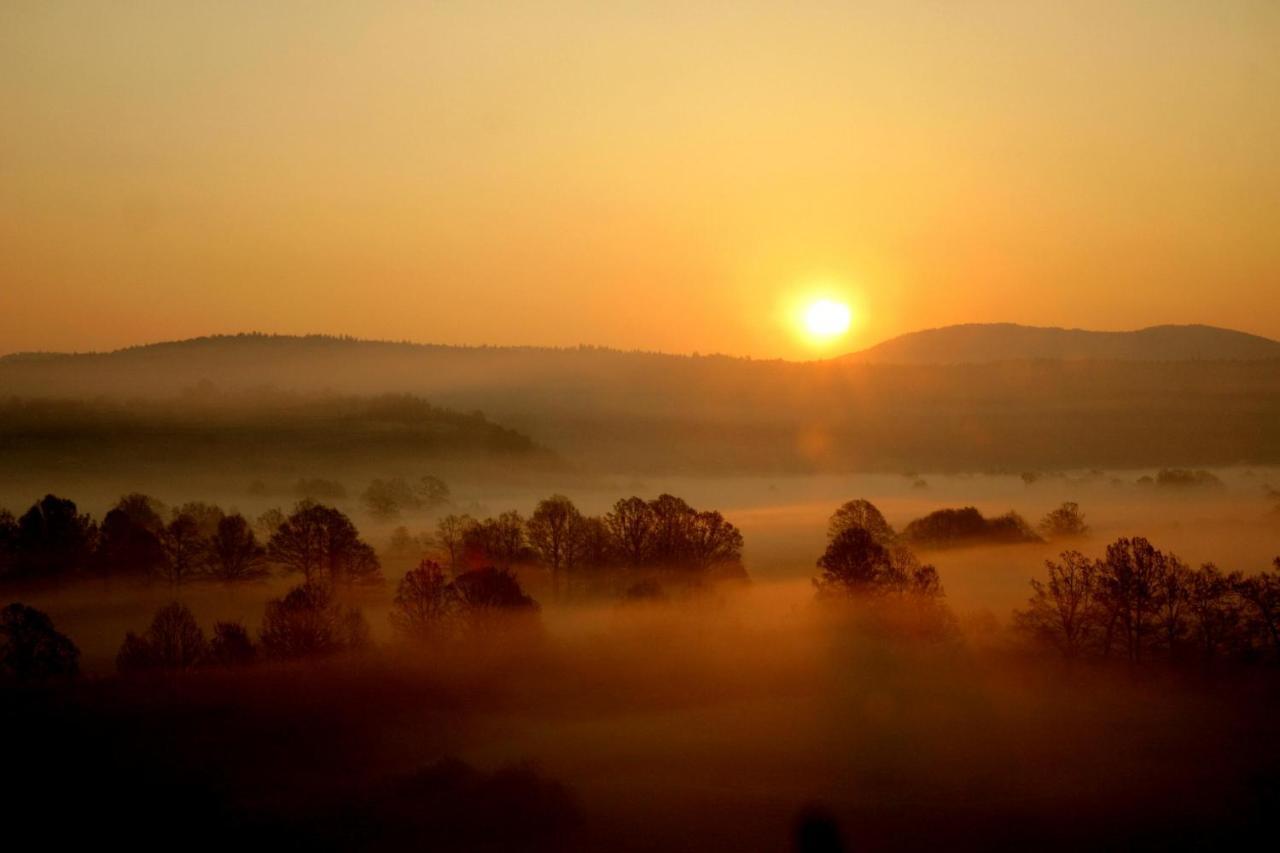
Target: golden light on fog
{"points": [[826, 318]]}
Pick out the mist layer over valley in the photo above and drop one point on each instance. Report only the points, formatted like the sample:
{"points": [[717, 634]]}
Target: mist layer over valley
{"points": [[303, 591]]}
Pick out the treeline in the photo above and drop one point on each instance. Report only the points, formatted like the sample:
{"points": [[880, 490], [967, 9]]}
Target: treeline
{"points": [[948, 528], [634, 541], [243, 434], [1140, 604], [140, 538]]}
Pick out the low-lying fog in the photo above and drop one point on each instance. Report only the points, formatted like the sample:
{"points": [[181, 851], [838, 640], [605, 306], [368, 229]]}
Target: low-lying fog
{"points": [[711, 722]]}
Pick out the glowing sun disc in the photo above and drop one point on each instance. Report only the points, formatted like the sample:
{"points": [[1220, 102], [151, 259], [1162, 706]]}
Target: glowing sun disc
{"points": [[827, 318]]}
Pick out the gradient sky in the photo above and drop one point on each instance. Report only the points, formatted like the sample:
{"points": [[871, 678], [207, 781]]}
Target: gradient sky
{"points": [[671, 176]]}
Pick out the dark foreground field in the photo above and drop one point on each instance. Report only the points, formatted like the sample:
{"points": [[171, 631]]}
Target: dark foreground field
{"points": [[707, 724]]}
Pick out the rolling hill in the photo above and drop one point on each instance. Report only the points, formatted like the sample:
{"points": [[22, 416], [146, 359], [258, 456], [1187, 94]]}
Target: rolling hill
{"points": [[643, 412], [990, 342]]}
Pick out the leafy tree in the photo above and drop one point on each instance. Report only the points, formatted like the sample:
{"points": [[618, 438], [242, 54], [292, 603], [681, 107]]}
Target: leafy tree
{"points": [[53, 539], [185, 550], [1129, 590], [173, 641], [553, 530], [268, 523], [431, 491], [855, 564], [951, 527], [231, 645], [712, 542], [308, 622], [31, 649], [491, 590], [1215, 608], [1065, 522], [234, 553], [322, 543], [864, 514], [499, 541], [206, 516], [1261, 594], [129, 546], [385, 499], [631, 526], [8, 542]]}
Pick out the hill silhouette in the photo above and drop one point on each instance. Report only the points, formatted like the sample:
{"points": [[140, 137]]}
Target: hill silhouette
{"points": [[640, 411], [989, 342]]}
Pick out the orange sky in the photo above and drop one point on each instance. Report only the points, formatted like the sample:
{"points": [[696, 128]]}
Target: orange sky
{"points": [[633, 174]]}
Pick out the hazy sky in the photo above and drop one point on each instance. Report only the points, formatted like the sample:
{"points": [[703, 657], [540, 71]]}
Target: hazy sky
{"points": [[671, 176]]}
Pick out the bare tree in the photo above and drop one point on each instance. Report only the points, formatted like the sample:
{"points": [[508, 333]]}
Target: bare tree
{"points": [[451, 533], [426, 603], [1063, 610]]}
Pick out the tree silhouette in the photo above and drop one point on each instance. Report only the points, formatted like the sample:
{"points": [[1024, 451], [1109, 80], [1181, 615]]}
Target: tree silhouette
{"points": [[322, 543], [1063, 610], [234, 552], [1065, 522], [1262, 595], [631, 526], [185, 550], [173, 641], [231, 645], [31, 649], [426, 603], [864, 514], [53, 539], [554, 530], [451, 534], [307, 621], [126, 546], [491, 590]]}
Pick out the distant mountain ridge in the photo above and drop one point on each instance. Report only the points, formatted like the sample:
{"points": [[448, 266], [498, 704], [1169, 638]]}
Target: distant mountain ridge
{"points": [[978, 343], [1192, 402]]}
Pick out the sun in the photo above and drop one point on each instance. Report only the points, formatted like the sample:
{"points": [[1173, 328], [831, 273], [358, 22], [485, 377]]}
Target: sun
{"points": [[827, 318]]}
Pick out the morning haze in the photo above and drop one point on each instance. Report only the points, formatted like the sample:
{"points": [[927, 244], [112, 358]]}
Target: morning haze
{"points": [[576, 427]]}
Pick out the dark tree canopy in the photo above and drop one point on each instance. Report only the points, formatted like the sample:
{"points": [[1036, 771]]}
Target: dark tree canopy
{"points": [[953, 527], [52, 539], [321, 543], [861, 513], [491, 590], [31, 649], [1138, 603], [855, 564], [308, 621], [231, 645], [1065, 522], [234, 552], [173, 641]]}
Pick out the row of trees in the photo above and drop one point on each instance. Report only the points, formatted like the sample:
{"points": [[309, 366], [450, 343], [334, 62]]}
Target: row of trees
{"points": [[664, 534], [1139, 603], [312, 621], [947, 527], [53, 540]]}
